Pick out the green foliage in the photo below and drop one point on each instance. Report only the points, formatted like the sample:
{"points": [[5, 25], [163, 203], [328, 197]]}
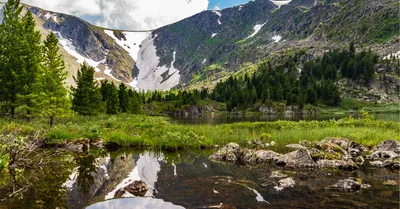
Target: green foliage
{"points": [[53, 96], [86, 96]]}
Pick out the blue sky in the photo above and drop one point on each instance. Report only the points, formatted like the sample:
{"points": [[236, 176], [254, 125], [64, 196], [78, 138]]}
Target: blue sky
{"points": [[225, 3]]}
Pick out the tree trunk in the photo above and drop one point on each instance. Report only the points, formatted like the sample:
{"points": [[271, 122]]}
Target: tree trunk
{"points": [[51, 121]]}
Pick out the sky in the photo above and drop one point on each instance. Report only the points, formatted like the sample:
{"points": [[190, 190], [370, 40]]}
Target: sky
{"points": [[132, 14]]}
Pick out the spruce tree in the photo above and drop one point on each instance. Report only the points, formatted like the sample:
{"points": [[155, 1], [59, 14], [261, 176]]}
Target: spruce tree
{"points": [[53, 98], [32, 59], [86, 96], [11, 59], [112, 103], [123, 98]]}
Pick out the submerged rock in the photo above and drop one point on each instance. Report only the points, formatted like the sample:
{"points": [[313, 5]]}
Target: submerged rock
{"points": [[382, 154], [137, 188], [340, 164], [299, 158], [348, 185], [285, 183]]}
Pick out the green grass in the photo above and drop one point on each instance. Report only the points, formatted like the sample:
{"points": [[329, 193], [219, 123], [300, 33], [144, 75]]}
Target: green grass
{"points": [[157, 132]]}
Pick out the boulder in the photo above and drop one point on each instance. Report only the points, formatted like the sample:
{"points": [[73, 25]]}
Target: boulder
{"points": [[376, 163], [299, 158], [262, 156], [340, 164], [305, 143], [341, 142], [342, 146], [382, 154], [389, 145], [137, 188], [287, 182], [348, 185], [228, 153]]}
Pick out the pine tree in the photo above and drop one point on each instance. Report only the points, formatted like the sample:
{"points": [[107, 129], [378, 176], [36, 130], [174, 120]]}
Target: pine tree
{"points": [[53, 98], [86, 96], [123, 98]]}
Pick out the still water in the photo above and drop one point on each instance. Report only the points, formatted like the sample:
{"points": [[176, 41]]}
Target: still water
{"points": [[186, 180], [216, 119]]}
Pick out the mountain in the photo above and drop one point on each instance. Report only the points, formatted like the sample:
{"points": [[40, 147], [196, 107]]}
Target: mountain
{"points": [[227, 39], [216, 44]]}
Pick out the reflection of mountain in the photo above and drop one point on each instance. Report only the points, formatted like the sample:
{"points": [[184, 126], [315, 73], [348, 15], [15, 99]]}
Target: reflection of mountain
{"points": [[97, 178], [136, 203]]}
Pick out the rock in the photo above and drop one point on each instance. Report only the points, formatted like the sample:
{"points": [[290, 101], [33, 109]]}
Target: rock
{"points": [[81, 145], [393, 163], [360, 160], [295, 146], [263, 156], [137, 188], [391, 183], [287, 182], [340, 164], [376, 163], [277, 174], [347, 184], [382, 154], [341, 142], [356, 149], [228, 153], [299, 158], [389, 145]]}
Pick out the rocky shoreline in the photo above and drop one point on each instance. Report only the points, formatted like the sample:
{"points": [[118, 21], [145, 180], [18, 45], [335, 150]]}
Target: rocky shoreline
{"points": [[339, 153]]}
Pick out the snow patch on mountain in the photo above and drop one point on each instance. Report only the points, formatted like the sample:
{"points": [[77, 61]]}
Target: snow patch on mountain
{"points": [[220, 15], [256, 29], [213, 35], [280, 3], [277, 38], [151, 75], [132, 43], [1, 12], [390, 56], [71, 49]]}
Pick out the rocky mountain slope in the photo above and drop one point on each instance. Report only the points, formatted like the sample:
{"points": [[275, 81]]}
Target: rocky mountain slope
{"points": [[250, 32], [222, 42]]}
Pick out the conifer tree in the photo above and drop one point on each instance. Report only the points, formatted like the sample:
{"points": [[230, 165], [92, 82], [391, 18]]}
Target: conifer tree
{"points": [[32, 59], [11, 48], [86, 96], [53, 98], [112, 103], [123, 98]]}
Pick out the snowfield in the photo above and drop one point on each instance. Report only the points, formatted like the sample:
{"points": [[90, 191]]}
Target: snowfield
{"points": [[132, 42], [220, 15], [395, 55], [150, 74], [213, 35], [256, 29]]}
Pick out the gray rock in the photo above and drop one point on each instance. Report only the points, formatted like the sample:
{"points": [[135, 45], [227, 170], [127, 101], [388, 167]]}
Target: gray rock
{"points": [[382, 154], [295, 146], [228, 153], [340, 164], [299, 158], [305, 143], [262, 156], [347, 184], [342, 142], [389, 145]]}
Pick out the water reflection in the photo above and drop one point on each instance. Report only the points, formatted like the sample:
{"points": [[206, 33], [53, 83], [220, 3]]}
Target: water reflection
{"points": [[135, 203], [215, 119]]}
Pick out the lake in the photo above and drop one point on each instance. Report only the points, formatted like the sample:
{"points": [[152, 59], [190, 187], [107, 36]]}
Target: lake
{"points": [[186, 180], [215, 119]]}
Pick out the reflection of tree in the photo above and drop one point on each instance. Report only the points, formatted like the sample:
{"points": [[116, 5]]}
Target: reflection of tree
{"points": [[39, 186], [87, 167]]}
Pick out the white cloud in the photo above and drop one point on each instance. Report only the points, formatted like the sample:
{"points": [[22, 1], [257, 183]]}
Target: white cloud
{"points": [[127, 14]]}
